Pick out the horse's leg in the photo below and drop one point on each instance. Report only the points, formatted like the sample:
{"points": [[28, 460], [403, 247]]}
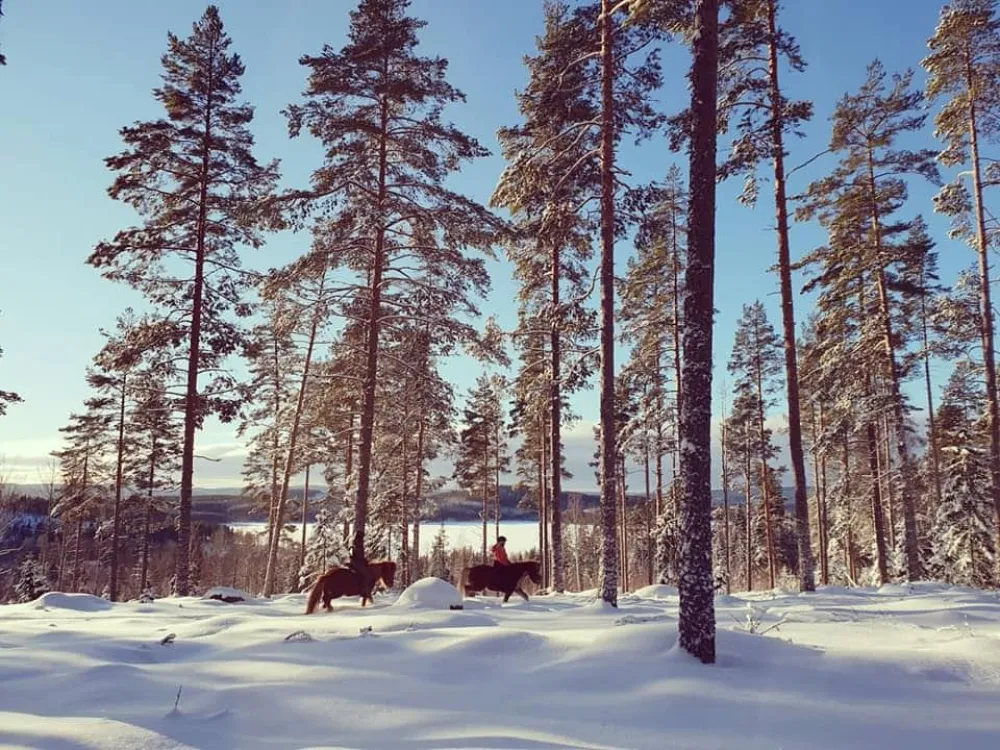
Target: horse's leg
{"points": [[521, 592], [506, 597], [326, 600]]}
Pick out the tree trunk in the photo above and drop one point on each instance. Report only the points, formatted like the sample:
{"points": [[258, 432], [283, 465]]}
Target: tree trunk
{"points": [[192, 400], [696, 620], [678, 344], [807, 565], [878, 518], [546, 512], [555, 419], [932, 441], [852, 571], [147, 520], [290, 457], [77, 551], [649, 517], [496, 484], [367, 432], [541, 510], [348, 477], [624, 527], [305, 520], [608, 584], [820, 502], [725, 509], [415, 570], [486, 501], [913, 571], [404, 517], [765, 483], [985, 309], [890, 493], [119, 481], [659, 442], [272, 506], [747, 483]]}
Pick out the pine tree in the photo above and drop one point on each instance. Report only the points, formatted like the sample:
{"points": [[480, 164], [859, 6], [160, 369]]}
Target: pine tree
{"points": [[476, 465], [439, 555], [272, 362], [696, 622], [154, 456], [766, 116], [964, 70], [376, 107], [963, 538], [83, 467], [651, 321], [857, 202], [756, 361], [32, 581], [305, 294], [549, 173], [194, 180]]}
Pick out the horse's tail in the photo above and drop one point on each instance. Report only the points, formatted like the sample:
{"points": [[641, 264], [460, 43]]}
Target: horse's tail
{"points": [[316, 594]]}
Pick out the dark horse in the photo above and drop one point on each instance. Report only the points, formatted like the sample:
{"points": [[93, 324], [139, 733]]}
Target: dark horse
{"points": [[503, 578], [339, 582]]}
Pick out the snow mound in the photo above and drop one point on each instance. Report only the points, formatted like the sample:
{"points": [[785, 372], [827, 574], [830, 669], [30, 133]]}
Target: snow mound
{"points": [[227, 594], [76, 602], [430, 593], [657, 591]]}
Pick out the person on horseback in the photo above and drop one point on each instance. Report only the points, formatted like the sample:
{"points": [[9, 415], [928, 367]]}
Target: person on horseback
{"points": [[499, 551]]}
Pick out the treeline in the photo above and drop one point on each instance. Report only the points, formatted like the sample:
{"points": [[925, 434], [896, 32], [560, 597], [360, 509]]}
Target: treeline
{"points": [[397, 268]]}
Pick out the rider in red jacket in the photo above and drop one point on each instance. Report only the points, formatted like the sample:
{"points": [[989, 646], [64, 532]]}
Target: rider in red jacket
{"points": [[500, 552]]}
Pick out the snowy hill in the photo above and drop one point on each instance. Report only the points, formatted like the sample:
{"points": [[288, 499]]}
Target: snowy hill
{"points": [[915, 668]]}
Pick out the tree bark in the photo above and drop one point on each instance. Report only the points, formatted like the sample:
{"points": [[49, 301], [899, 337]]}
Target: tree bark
{"points": [[914, 570], [608, 584], [348, 477], [192, 400], [305, 520], [367, 431], [404, 517], [119, 481], [418, 489], [725, 509], [807, 565], [985, 308], [847, 500], [555, 419], [486, 500], [765, 480], [878, 517], [932, 441], [696, 621], [747, 483]]}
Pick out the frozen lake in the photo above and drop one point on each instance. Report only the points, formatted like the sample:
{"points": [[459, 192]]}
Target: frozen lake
{"points": [[522, 536]]}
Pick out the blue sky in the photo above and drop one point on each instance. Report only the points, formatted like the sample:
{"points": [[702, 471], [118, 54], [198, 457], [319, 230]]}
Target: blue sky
{"points": [[77, 72]]}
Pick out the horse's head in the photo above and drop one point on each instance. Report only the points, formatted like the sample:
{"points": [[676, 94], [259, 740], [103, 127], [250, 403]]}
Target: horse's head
{"points": [[534, 571]]}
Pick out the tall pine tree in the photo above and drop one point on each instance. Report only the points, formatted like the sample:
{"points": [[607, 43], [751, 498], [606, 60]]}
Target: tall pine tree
{"points": [[194, 180], [376, 106], [964, 71]]}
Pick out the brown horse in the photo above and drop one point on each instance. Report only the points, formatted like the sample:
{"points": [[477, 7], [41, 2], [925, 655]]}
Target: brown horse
{"points": [[502, 578], [338, 582]]}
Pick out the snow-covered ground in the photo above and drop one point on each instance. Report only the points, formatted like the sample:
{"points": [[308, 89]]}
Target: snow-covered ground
{"points": [[914, 668]]}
